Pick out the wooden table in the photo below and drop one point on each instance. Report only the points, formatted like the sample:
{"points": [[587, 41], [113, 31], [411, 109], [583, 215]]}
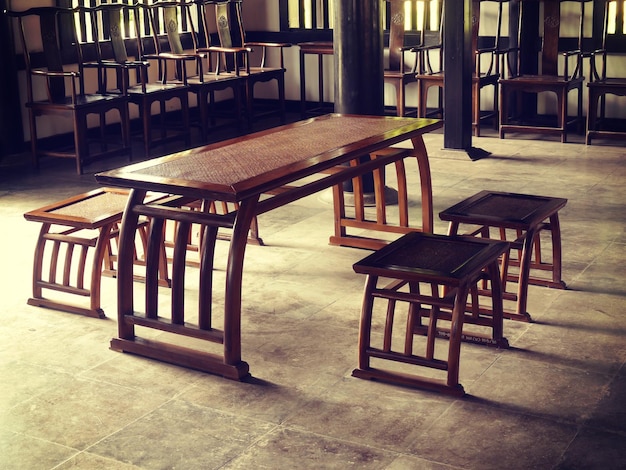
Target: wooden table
{"points": [[272, 163]]}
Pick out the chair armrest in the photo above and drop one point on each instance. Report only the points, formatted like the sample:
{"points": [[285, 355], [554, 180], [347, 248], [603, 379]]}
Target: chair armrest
{"points": [[423, 57], [47, 73], [234, 50], [577, 69], [60, 74], [267, 44], [596, 74], [171, 56]]}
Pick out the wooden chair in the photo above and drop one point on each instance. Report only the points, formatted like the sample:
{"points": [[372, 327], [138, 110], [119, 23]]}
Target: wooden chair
{"points": [[48, 81], [599, 86], [399, 72], [430, 58], [226, 16], [207, 75], [551, 77], [487, 63], [112, 29]]}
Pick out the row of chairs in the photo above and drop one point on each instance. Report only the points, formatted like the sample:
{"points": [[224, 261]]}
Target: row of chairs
{"points": [[498, 57], [140, 57]]}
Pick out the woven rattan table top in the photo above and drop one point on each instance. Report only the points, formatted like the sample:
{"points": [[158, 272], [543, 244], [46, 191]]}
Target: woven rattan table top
{"points": [[252, 163]]}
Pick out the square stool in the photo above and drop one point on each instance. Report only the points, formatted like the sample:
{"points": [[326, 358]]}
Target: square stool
{"points": [[82, 222], [450, 268], [526, 216]]}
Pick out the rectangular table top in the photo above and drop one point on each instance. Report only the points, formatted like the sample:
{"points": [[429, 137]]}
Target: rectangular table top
{"points": [[246, 166]]}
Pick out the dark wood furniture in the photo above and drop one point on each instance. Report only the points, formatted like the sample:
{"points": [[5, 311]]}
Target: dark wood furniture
{"points": [[399, 72], [64, 260], [53, 91], [319, 49], [242, 56], [551, 77], [112, 29], [205, 74], [487, 64], [276, 163], [601, 85], [520, 219], [431, 273], [358, 219]]}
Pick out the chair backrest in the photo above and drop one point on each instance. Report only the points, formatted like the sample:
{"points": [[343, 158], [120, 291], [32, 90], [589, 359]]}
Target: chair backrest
{"points": [[489, 40], [229, 20], [50, 21], [429, 20], [396, 20], [110, 27], [600, 53], [555, 15], [225, 16], [168, 14]]}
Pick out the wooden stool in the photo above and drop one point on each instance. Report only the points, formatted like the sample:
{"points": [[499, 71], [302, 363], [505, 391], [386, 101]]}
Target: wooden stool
{"points": [[379, 223], [450, 267], [93, 219], [526, 216]]}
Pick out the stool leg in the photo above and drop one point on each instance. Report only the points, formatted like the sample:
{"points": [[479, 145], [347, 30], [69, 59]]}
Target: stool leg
{"points": [[365, 327], [555, 230], [497, 311], [38, 263], [524, 273], [96, 271], [456, 330]]}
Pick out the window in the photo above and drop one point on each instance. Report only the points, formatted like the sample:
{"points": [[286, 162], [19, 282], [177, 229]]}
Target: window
{"points": [[310, 14], [83, 22], [617, 18], [318, 14]]}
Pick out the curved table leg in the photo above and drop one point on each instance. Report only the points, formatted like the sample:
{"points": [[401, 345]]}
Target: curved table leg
{"points": [[426, 184], [234, 273]]}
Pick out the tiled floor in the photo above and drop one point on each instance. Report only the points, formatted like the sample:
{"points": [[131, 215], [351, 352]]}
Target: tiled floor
{"points": [[556, 399]]}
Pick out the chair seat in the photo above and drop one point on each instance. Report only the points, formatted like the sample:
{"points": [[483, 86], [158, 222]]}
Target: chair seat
{"points": [[81, 101], [263, 70], [610, 82], [212, 79], [151, 88], [406, 74], [543, 80]]}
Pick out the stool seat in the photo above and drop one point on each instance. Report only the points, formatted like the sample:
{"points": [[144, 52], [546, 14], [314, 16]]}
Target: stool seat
{"points": [[450, 267], [526, 216]]}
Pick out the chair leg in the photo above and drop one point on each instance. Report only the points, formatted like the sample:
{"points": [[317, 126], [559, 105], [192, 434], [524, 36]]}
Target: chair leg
{"points": [[80, 140], [184, 107], [144, 111], [33, 138]]}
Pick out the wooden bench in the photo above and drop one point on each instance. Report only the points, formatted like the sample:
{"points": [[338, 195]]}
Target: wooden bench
{"points": [[87, 223]]}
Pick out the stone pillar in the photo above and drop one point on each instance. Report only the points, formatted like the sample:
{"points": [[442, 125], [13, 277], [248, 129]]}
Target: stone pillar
{"points": [[358, 44], [458, 66]]}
